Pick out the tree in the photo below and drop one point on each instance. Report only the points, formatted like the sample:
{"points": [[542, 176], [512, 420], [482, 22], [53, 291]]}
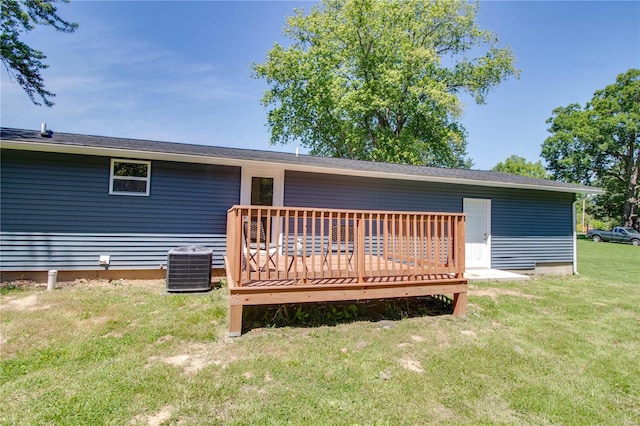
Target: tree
{"points": [[377, 80], [520, 166], [22, 62], [600, 144]]}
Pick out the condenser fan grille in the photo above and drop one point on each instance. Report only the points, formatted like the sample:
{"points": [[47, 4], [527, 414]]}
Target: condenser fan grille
{"points": [[189, 269]]}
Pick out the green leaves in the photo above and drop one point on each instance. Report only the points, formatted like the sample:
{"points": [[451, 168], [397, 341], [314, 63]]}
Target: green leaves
{"points": [[520, 166], [600, 144], [366, 79], [23, 63]]}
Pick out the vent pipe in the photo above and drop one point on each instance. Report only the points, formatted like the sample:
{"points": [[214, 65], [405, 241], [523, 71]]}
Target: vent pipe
{"points": [[52, 277], [44, 132]]}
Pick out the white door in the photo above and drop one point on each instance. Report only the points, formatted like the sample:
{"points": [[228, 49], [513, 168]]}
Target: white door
{"points": [[477, 232], [262, 186]]}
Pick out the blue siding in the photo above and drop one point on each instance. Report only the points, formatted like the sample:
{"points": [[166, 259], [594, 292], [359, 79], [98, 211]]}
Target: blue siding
{"points": [[22, 251], [527, 226], [50, 201], [525, 252], [344, 192], [56, 211]]}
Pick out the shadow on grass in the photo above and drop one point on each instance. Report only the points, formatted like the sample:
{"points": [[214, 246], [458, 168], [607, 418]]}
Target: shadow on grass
{"points": [[333, 313]]}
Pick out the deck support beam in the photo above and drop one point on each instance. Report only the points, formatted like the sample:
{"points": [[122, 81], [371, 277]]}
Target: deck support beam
{"points": [[314, 292]]}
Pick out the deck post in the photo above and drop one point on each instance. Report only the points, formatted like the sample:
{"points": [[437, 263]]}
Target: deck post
{"points": [[234, 253], [235, 320], [460, 304], [360, 261], [460, 256]]}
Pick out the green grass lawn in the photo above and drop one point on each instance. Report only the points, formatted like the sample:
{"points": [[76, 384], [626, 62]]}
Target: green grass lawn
{"points": [[555, 350]]}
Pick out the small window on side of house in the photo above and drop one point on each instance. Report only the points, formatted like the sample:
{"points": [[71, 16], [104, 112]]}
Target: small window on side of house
{"points": [[130, 177]]}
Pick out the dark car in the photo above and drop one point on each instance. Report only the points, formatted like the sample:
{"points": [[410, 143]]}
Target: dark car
{"points": [[619, 234]]}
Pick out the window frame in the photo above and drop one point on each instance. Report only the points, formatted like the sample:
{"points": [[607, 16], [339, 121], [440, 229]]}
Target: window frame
{"points": [[113, 177]]}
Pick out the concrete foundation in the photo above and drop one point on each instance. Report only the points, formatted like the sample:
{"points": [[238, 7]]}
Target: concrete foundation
{"points": [[554, 268]]}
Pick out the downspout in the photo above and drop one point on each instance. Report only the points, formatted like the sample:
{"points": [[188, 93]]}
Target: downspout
{"points": [[575, 236]]}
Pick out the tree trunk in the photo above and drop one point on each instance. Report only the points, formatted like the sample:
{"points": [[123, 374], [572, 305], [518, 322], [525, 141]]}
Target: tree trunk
{"points": [[630, 210]]}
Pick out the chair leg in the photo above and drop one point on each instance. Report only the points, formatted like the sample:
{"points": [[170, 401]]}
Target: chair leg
{"points": [[325, 261], [351, 257], [251, 258]]}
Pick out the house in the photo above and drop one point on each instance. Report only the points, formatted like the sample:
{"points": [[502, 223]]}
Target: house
{"points": [[68, 199]]}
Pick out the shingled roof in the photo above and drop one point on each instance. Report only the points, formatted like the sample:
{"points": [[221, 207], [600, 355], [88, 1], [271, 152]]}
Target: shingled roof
{"points": [[136, 148]]}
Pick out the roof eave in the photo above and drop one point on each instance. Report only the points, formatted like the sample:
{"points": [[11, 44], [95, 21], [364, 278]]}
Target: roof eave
{"points": [[239, 162]]}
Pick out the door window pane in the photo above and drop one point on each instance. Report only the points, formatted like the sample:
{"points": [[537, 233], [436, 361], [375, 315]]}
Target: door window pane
{"points": [[261, 191]]}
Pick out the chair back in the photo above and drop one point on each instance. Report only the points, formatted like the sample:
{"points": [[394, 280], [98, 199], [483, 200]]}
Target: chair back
{"points": [[253, 229], [342, 234]]}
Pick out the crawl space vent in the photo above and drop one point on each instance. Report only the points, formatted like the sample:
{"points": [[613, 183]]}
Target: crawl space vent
{"points": [[189, 269]]}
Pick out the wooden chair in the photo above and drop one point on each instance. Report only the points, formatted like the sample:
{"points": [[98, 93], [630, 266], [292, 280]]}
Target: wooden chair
{"points": [[341, 242], [259, 248]]}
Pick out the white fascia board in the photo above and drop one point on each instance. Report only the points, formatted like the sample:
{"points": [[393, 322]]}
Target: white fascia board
{"points": [[204, 159]]}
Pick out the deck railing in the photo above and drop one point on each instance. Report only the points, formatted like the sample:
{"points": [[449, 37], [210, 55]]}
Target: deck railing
{"points": [[304, 244]]}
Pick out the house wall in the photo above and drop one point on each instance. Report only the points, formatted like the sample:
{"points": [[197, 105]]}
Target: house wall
{"points": [[528, 227], [56, 212]]}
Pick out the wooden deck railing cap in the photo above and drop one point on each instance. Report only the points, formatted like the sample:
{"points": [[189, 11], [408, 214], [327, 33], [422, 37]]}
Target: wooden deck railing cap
{"points": [[331, 210]]}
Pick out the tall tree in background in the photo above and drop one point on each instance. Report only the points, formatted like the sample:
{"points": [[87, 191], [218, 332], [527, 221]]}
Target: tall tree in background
{"points": [[378, 80], [520, 166], [23, 63], [600, 144]]}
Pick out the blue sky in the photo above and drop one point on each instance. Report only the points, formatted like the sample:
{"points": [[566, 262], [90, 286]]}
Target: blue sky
{"points": [[180, 71]]}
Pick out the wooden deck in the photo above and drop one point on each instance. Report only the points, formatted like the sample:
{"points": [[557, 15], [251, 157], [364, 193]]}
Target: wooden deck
{"points": [[292, 255]]}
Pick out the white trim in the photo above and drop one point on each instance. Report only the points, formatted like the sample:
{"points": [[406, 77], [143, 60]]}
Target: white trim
{"points": [[575, 237], [274, 172], [113, 177], [487, 203], [204, 159]]}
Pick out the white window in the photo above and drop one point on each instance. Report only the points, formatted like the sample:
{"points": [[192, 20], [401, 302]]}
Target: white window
{"points": [[130, 177]]}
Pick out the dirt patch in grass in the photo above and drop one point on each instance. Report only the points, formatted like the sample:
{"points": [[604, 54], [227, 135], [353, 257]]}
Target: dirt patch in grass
{"points": [[28, 303], [197, 356], [469, 333], [80, 283], [411, 365], [156, 419]]}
